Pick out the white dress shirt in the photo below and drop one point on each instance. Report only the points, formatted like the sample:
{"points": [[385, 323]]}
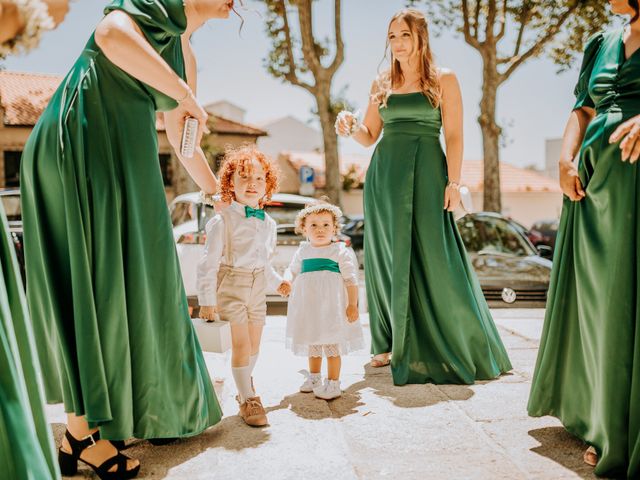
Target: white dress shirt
{"points": [[253, 244]]}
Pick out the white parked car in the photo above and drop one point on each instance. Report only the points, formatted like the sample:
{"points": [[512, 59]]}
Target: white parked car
{"points": [[189, 218]]}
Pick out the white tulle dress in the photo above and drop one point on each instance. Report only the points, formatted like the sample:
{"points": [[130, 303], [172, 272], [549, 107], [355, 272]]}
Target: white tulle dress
{"points": [[317, 319]]}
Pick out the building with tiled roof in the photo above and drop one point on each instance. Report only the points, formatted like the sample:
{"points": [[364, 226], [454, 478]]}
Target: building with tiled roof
{"points": [[24, 96]]}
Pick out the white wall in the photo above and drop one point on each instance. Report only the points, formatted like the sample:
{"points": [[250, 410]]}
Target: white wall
{"points": [[227, 110], [289, 134], [551, 157]]}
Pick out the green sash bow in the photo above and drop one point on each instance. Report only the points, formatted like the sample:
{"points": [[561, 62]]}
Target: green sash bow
{"points": [[318, 264]]}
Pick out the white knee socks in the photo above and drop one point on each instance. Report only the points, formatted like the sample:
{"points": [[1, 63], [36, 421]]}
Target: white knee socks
{"points": [[252, 361], [242, 377]]}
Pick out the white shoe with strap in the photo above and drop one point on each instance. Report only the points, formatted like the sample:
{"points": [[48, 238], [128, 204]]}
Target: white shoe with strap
{"points": [[312, 380]]}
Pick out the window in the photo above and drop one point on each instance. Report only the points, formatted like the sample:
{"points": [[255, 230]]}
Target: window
{"points": [[11, 205], [492, 235], [12, 168]]}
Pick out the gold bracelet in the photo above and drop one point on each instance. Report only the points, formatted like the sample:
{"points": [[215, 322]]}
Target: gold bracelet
{"points": [[454, 185]]}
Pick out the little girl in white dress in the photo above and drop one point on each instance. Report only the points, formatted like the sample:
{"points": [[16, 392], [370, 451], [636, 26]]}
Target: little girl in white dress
{"points": [[323, 308]]}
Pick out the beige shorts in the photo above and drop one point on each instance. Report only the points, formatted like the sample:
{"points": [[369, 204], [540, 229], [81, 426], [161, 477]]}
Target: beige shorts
{"points": [[242, 295]]}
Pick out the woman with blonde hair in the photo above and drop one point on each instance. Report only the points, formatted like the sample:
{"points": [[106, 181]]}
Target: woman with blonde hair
{"points": [[426, 306]]}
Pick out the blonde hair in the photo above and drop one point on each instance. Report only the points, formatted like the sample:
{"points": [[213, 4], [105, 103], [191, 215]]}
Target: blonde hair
{"points": [[321, 206], [393, 78]]}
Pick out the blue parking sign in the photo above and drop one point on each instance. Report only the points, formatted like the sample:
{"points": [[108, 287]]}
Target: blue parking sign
{"points": [[306, 174]]}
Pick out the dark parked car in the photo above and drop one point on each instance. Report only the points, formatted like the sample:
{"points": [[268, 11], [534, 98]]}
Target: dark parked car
{"points": [[512, 272], [510, 269], [354, 228], [544, 232], [11, 204]]}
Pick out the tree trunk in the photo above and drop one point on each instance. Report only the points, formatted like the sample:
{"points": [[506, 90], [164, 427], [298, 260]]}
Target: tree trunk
{"points": [[333, 186], [490, 136]]}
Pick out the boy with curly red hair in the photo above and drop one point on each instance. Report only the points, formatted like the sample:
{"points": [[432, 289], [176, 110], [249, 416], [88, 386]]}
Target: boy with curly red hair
{"points": [[235, 270]]}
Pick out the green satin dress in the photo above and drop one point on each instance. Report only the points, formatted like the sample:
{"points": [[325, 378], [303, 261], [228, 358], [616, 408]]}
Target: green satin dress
{"points": [[588, 368], [104, 287], [425, 301], [26, 442]]}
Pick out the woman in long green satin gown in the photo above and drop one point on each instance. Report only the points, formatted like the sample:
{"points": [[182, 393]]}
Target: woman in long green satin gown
{"points": [[588, 368], [26, 443], [103, 281], [425, 302]]}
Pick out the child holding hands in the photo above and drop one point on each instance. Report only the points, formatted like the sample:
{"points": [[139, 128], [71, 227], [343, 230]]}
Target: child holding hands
{"points": [[235, 270], [323, 308]]}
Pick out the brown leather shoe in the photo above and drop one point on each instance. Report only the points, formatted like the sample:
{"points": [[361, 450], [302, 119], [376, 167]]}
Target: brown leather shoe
{"points": [[252, 412]]}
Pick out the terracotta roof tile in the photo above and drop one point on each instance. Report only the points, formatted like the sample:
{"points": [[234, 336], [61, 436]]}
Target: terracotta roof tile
{"points": [[24, 96], [512, 179]]}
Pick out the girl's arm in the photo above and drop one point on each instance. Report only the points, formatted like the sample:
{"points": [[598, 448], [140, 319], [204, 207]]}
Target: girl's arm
{"points": [[571, 141], [197, 167], [349, 270], [124, 44], [451, 108], [293, 270], [452, 124], [371, 126]]}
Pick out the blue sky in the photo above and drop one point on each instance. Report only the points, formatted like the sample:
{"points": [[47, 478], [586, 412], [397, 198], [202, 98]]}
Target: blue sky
{"points": [[532, 106]]}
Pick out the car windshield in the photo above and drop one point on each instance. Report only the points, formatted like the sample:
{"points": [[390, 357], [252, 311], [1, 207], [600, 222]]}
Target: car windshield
{"points": [[486, 235], [11, 205]]}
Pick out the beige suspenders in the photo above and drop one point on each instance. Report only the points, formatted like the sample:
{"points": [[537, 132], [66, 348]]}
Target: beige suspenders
{"points": [[227, 254]]}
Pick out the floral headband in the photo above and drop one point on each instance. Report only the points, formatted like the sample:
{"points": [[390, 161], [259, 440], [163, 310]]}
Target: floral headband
{"points": [[318, 207]]}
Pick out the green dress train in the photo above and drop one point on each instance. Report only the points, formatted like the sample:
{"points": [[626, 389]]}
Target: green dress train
{"points": [[425, 302], [588, 368], [26, 442], [104, 287]]}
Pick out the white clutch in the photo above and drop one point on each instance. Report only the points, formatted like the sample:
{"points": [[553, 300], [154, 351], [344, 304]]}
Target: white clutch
{"points": [[213, 336]]}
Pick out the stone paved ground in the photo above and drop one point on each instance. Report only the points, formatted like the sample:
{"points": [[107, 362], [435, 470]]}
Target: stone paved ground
{"points": [[375, 430]]}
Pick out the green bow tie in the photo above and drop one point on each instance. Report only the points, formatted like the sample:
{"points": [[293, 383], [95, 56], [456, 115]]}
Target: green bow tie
{"points": [[253, 212]]}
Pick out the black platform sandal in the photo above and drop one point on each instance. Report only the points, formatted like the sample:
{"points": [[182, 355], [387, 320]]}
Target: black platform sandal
{"points": [[119, 444], [69, 461]]}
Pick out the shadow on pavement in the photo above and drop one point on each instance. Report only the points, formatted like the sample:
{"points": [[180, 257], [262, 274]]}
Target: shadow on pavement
{"points": [[230, 434], [307, 406], [563, 448]]}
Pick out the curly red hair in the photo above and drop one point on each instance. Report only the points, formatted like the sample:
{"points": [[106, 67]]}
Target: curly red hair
{"points": [[239, 158]]}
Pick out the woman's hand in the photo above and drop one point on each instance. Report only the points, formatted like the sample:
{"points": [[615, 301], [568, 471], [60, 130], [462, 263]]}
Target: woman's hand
{"points": [[58, 9], [629, 133], [352, 313], [208, 313], [174, 121], [451, 197], [570, 181], [344, 123]]}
